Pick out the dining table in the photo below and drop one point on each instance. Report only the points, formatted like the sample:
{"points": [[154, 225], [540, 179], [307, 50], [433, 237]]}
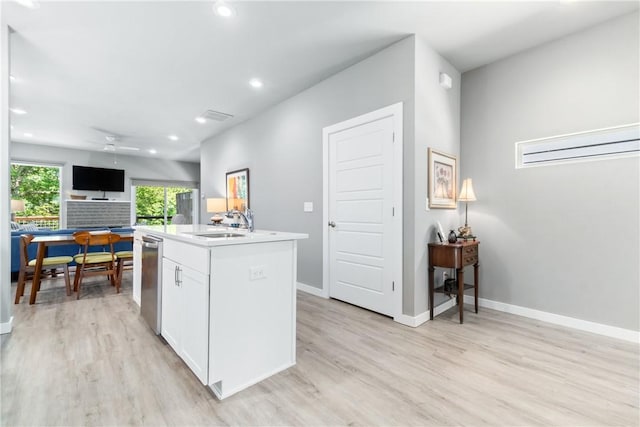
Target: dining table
{"points": [[54, 240]]}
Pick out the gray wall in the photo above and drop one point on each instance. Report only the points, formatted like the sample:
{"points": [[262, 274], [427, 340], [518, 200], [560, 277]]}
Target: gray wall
{"points": [[563, 239], [150, 168], [437, 126], [135, 167], [283, 146], [283, 149]]}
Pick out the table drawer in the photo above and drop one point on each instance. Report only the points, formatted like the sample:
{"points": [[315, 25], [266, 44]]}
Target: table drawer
{"points": [[469, 251], [469, 259]]}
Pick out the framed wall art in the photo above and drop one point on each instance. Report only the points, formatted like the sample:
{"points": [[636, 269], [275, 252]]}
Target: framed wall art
{"points": [[442, 180], [238, 190]]}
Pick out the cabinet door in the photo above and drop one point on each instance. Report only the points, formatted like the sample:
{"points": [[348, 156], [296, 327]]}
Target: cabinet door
{"points": [[195, 333], [137, 271], [172, 320]]}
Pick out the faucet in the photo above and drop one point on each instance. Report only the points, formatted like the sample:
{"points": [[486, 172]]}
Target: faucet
{"points": [[247, 216]]}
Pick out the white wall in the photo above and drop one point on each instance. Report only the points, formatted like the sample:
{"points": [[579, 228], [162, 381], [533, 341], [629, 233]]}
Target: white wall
{"points": [[562, 239], [134, 166], [282, 147], [5, 233]]}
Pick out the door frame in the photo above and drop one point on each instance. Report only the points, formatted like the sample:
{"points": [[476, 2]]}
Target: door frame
{"points": [[395, 111]]}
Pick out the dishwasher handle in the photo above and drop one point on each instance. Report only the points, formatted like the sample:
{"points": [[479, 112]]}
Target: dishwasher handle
{"points": [[151, 242], [150, 245]]}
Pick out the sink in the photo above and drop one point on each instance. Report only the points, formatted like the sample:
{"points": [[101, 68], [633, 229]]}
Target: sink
{"points": [[218, 235]]}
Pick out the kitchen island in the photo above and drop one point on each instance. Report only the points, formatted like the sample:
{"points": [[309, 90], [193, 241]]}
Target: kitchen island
{"points": [[228, 301]]}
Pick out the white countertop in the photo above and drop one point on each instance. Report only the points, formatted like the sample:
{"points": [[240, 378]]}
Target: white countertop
{"points": [[189, 234]]}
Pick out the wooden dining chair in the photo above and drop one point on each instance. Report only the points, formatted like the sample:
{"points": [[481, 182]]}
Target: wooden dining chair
{"points": [[125, 262], [95, 263], [49, 267]]}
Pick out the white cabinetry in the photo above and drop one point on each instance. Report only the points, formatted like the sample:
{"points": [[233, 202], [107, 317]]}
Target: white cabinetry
{"points": [[171, 304], [185, 304], [137, 267]]}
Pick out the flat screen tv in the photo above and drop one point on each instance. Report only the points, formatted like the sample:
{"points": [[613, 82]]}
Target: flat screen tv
{"points": [[98, 179]]}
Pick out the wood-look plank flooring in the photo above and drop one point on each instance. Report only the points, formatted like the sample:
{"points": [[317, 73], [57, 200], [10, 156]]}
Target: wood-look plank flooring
{"points": [[95, 362]]}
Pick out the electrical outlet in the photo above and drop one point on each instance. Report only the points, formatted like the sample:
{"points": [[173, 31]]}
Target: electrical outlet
{"points": [[257, 272]]}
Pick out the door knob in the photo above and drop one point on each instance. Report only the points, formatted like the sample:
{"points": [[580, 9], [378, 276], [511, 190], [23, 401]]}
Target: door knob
{"points": [[332, 224]]}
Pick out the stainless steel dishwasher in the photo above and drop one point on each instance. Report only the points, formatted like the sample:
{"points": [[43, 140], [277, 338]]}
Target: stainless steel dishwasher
{"points": [[151, 292]]}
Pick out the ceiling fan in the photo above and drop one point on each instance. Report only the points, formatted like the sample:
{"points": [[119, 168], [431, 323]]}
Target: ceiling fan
{"points": [[112, 144]]}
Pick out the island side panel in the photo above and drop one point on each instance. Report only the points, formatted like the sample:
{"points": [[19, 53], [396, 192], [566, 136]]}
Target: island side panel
{"points": [[252, 317]]}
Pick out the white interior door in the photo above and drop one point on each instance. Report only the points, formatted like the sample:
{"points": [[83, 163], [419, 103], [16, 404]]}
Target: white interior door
{"points": [[361, 215]]}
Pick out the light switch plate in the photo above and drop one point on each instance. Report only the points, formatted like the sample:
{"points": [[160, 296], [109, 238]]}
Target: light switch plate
{"points": [[308, 206], [426, 206]]}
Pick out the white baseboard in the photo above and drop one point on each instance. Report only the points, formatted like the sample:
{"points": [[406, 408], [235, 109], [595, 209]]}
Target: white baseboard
{"points": [[557, 319], [6, 327], [311, 290], [415, 321]]}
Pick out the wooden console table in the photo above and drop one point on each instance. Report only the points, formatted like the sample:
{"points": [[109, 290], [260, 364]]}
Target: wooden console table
{"points": [[454, 255]]}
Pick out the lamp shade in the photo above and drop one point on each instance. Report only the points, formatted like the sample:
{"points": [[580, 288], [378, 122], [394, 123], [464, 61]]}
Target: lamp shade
{"points": [[217, 205], [466, 193], [17, 205]]}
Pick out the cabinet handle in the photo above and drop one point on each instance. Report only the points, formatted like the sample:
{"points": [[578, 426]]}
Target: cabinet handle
{"points": [[175, 275]]}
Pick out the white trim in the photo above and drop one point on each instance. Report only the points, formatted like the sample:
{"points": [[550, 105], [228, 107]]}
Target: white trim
{"points": [[557, 319], [441, 308], [6, 327], [226, 393], [311, 290], [395, 111], [415, 321]]}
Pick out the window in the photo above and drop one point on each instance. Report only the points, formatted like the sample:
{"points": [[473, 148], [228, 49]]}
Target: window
{"points": [[157, 203], [615, 142], [39, 187]]}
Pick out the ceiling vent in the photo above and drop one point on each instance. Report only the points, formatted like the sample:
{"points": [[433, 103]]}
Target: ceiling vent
{"points": [[216, 115]]}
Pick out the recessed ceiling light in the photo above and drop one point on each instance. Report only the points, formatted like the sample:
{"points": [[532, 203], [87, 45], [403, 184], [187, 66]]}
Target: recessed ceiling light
{"points": [[28, 134], [17, 111], [223, 9], [152, 151], [12, 77], [201, 120], [31, 4], [173, 137], [256, 83]]}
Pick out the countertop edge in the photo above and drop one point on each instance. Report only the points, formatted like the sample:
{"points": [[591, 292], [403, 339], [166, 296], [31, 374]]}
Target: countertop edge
{"points": [[178, 233]]}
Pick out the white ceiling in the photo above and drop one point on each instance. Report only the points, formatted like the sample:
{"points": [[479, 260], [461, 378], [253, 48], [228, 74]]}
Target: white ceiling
{"points": [[144, 70]]}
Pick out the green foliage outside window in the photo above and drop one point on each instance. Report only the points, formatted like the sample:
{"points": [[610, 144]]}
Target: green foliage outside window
{"points": [[39, 187], [150, 202]]}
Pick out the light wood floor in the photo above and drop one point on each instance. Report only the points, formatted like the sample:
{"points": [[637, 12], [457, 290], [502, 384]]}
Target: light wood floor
{"points": [[95, 362]]}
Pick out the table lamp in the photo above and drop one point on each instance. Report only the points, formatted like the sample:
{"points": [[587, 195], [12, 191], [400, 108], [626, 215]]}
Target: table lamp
{"points": [[16, 206], [466, 195], [216, 206]]}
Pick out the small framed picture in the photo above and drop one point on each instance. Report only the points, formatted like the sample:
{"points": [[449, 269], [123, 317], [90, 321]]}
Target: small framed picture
{"points": [[442, 180], [440, 232]]}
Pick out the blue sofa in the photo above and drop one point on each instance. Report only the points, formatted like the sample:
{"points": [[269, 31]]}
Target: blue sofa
{"points": [[59, 250]]}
